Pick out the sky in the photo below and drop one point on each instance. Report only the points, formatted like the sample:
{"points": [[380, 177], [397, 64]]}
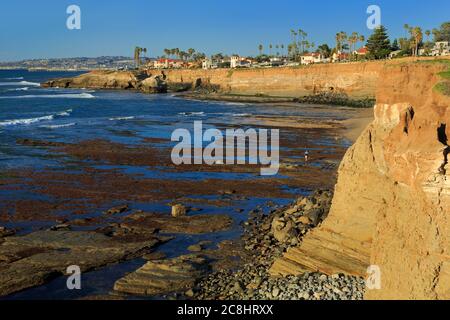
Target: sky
{"points": [[37, 29]]}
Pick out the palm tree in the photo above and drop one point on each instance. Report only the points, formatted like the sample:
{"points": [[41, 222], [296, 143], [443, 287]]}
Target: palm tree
{"points": [[167, 52], [270, 47], [407, 29], [417, 35], [191, 52], [428, 33], [282, 49], [260, 48]]}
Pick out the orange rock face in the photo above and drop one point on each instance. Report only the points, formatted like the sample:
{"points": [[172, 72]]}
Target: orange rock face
{"points": [[392, 201]]}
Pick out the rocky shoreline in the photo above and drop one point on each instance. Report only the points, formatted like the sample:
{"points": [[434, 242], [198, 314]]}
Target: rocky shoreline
{"points": [[267, 237]]}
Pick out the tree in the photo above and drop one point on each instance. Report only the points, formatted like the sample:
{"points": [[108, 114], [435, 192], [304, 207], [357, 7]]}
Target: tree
{"points": [[191, 52], [443, 33], [378, 44], [417, 37], [260, 48], [324, 50], [270, 47], [394, 46]]}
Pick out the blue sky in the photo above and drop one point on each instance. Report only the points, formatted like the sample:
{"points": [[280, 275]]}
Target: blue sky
{"points": [[37, 29]]}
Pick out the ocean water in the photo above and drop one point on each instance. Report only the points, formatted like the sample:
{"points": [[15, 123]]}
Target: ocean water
{"points": [[28, 111]]}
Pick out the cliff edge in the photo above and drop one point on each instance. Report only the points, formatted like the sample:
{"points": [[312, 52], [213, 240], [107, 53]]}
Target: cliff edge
{"points": [[391, 207]]}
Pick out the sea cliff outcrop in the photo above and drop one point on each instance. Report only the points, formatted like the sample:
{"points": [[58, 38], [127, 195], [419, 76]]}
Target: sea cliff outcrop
{"points": [[124, 80], [391, 207], [354, 81]]}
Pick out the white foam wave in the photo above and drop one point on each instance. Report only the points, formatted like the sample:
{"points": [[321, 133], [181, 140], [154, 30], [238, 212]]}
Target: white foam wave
{"points": [[20, 89], [65, 113], [18, 78], [191, 114], [54, 96], [26, 121], [56, 126], [121, 118], [21, 83], [241, 115]]}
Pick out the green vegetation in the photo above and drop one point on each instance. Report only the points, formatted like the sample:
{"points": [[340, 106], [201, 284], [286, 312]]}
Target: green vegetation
{"points": [[378, 44]]}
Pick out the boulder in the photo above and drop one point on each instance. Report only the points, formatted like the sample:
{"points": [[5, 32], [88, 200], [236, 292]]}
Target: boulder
{"points": [[164, 276], [178, 210]]}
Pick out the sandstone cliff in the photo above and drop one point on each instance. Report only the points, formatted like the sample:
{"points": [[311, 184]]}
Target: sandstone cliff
{"points": [[124, 80], [391, 207], [355, 80]]}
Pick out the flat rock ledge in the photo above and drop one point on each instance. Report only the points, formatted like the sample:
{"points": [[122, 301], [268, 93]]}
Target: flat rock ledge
{"points": [[164, 276], [142, 222], [36, 258]]}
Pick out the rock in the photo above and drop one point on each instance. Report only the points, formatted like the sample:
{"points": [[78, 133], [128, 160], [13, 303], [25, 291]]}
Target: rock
{"points": [[304, 220], [178, 210], [153, 84], [275, 292], [61, 227], [198, 224], [195, 248], [164, 276], [117, 210], [34, 259], [6, 232], [189, 293], [283, 231], [154, 256]]}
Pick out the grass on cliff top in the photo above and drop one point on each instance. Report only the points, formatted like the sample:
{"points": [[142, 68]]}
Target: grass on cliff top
{"points": [[442, 87]]}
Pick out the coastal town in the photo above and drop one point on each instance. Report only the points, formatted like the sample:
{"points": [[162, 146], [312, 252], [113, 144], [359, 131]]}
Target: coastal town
{"points": [[301, 51]]}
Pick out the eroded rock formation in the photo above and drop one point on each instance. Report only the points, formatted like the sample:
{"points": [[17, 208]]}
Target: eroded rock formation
{"points": [[391, 207]]}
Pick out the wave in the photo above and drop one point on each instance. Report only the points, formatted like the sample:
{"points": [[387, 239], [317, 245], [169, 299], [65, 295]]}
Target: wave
{"points": [[56, 126], [241, 114], [18, 78], [65, 113], [121, 118], [20, 89], [54, 96], [191, 114], [21, 83], [28, 121]]}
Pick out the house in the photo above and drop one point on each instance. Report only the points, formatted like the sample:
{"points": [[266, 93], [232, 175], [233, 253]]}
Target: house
{"points": [[340, 56], [315, 57], [441, 48], [210, 64], [394, 54], [165, 63], [362, 52], [240, 62]]}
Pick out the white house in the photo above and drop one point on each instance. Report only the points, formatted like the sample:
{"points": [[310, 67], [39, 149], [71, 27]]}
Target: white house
{"points": [[315, 57], [240, 62], [441, 48]]}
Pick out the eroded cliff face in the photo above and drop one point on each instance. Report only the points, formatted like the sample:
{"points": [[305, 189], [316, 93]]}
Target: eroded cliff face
{"points": [[357, 80], [391, 207]]}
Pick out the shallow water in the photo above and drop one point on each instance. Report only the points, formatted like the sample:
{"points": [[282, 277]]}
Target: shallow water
{"points": [[71, 115]]}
